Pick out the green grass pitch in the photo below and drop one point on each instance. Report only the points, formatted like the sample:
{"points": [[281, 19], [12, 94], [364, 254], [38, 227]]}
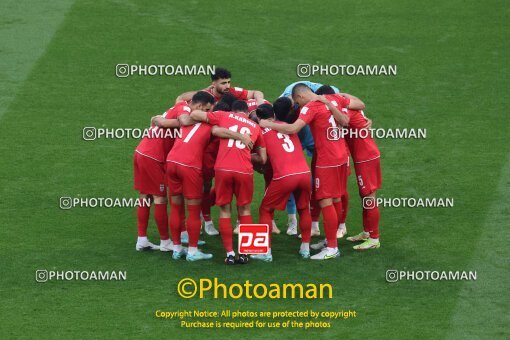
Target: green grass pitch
{"points": [[57, 76]]}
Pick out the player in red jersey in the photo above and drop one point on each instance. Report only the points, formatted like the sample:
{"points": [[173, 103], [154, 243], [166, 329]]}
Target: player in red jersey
{"points": [[149, 170], [330, 167], [290, 175], [286, 111], [234, 169], [224, 104], [264, 169], [221, 85], [342, 228], [210, 153], [366, 157], [185, 182]]}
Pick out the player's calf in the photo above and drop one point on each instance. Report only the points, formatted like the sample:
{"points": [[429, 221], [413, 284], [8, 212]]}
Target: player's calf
{"points": [[226, 234], [330, 227], [371, 217]]}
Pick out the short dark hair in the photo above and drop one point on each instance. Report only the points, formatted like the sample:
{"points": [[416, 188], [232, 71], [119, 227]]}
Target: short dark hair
{"points": [[228, 98], [265, 111], [240, 106], [202, 97], [325, 89], [298, 88], [292, 117], [281, 108], [220, 73], [221, 106]]}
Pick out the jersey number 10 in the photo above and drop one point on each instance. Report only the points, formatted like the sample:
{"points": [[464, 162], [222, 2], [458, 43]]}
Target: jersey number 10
{"points": [[244, 130]]}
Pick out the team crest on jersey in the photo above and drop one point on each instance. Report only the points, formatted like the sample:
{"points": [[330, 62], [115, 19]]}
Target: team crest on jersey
{"points": [[304, 110], [161, 187]]}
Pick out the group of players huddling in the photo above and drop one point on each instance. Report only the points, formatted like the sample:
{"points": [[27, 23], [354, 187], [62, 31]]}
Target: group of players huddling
{"points": [[227, 132]]}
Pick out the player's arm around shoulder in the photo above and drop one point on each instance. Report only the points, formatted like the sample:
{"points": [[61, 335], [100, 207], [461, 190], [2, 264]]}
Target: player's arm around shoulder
{"points": [[288, 129], [186, 96], [211, 118], [340, 117], [257, 95], [163, 122], [199, 116], [354, 102], [186, 120]]}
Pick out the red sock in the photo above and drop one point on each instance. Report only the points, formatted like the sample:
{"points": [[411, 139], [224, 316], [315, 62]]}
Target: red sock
{"points": [[182, 215], [193, 224], [161, 217], [247, 219], [175, 222], [226, 233], [365, 225], [371, 219], [206, 206], [315, 210], [339, 211], [330, 225], [212, 196], [265, 218], [143, 214], [345, 207], [305, 224]]}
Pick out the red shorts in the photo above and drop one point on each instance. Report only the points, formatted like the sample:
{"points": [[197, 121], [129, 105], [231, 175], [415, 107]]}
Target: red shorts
{"points": [[330, 182], [228, 183], [368, 175], [278, 192], [149, 176], [184, 180]]}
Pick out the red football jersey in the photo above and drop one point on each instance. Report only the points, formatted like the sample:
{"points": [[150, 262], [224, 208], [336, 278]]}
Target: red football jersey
{"points": [[252, 104], [156, 147], [232, 154], [188, 150], [330, 151], [361, 144], [238, 92], [285, 153]]}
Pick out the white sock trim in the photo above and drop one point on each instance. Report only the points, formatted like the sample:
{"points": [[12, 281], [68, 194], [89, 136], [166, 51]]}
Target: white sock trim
{"points": [[305, 247]]}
